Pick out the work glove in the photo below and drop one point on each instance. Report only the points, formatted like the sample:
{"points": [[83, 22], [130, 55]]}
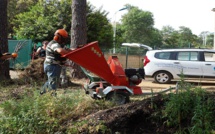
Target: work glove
{"points": [[14, 55]]}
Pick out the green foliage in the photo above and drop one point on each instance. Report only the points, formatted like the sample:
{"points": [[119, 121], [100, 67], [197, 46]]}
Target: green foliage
{"points": [[185, 37], [32, 115], [39, 20], [98, 27], [46, 114], [203, 118], [189, 105], [15, 7], [182, 38], [84, 128], [170, 37], [210, 39], [43, 19], [137, 26], [178, 107]]}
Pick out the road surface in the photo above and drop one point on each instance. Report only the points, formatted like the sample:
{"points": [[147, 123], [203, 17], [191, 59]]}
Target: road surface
{"points": [[148, 84]]}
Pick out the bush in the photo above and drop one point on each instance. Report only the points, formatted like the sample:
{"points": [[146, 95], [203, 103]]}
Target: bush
{"points": [[191, 108], [45, 114]]}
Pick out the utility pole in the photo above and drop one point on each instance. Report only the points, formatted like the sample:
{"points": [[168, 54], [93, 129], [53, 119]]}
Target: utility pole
{"points": [[204, 37], [214, 34], [114, 30]]}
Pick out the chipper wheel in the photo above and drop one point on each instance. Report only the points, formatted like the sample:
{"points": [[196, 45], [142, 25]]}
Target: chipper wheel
{"points": [[118, 97]]}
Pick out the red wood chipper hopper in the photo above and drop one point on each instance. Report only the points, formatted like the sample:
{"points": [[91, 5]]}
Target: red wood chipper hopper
{"points": [[112, 81]]}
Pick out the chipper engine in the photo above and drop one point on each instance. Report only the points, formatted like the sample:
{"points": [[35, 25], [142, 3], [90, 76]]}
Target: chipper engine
{"points": [[107, 79]]}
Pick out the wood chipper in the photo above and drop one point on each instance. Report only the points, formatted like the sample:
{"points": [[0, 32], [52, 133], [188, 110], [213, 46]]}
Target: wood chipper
{"points": [[111, 82]]}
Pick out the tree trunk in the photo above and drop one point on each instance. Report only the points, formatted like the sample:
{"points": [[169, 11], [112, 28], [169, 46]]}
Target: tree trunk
{"points": [[4, 65], [78, 31]]}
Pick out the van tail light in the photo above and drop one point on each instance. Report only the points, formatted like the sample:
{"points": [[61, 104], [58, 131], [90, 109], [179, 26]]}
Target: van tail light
{"points": [[146, 61]]}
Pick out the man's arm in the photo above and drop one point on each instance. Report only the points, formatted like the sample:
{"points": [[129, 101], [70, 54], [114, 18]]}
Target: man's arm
{"points": [[63, 51], [6, 56], [38, 51]]}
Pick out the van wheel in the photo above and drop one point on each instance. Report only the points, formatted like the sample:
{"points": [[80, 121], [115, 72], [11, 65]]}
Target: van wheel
{"points": [[162, 77]]}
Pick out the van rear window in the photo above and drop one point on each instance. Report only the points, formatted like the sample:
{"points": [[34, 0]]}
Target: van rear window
{"points": [[209, 56], [163, 55]]}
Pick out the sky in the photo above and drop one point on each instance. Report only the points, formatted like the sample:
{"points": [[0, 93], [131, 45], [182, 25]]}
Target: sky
{"points": [[194, 14]]}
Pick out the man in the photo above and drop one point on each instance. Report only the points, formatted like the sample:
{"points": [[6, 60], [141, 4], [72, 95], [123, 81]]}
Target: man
{"points": [[40, 56], [53, 61], [41, 51]]}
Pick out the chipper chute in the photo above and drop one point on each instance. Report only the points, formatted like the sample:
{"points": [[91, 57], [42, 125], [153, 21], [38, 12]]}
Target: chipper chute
{"points": [[91, 58], [115, 80]]}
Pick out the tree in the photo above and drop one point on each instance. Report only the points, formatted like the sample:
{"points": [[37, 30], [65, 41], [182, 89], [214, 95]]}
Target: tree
{"points": [[40, 22], [138, 26], [156, 39], [15, 7], [186, 37], [210, 40], [43, 19], [78, 31], [79, 23], [169, 37], [4, 65], [98, 27]]}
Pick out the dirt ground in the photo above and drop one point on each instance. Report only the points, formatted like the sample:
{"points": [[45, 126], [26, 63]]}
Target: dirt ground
{"points": [[14, 74], [141, 117], [130, 118]]}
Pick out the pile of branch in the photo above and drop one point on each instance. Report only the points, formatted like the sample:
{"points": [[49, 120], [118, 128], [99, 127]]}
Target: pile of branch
{"points": [[34, 71]]}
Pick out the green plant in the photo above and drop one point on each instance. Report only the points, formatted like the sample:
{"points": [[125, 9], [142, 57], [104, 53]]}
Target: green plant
{"points": [[27, 116], [202, 120], [33, 113], [179, 105], [191, 108]]}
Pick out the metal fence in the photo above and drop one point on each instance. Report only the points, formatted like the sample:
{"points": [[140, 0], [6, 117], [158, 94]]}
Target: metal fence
{"points": [[129, 57]]}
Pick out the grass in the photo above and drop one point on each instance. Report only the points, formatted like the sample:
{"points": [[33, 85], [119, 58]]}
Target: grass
{"points": [[24, 110]]}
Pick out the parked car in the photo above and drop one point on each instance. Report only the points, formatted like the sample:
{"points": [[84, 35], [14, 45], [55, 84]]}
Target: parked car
{"points": [[168, 64]]}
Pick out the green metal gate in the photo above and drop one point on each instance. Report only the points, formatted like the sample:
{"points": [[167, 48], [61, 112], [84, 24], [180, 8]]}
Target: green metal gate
{"points": [[24, 53]]}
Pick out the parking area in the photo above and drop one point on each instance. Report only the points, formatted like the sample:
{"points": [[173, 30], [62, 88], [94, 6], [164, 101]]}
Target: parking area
{"points": [[148, 84]]}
